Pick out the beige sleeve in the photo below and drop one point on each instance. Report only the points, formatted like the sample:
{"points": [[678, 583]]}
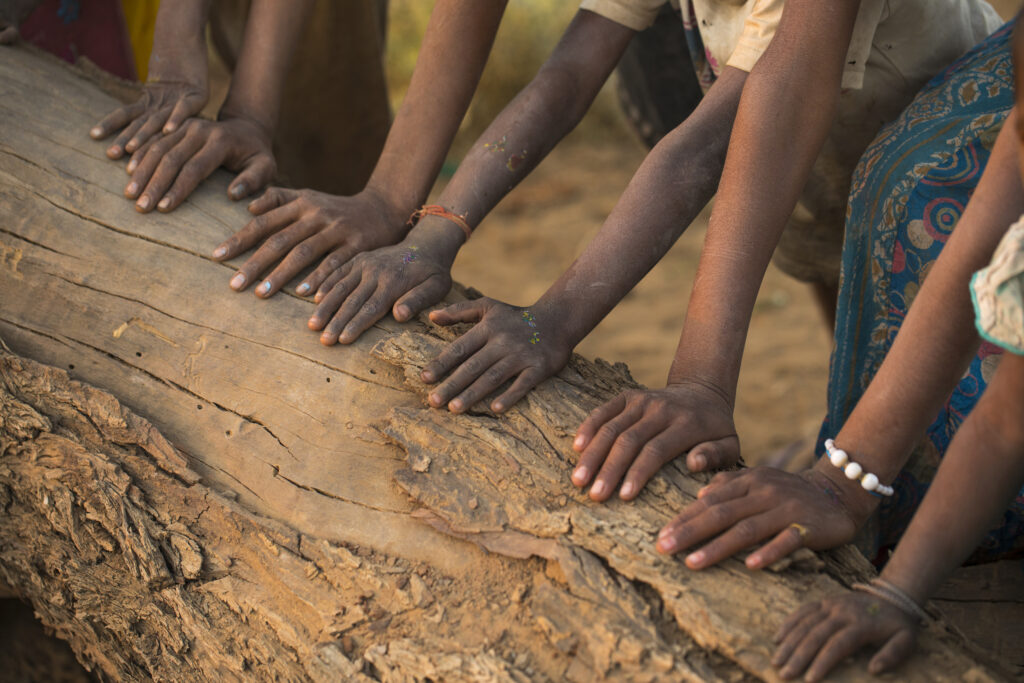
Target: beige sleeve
{"points": [[764, 19], [634, 14]]}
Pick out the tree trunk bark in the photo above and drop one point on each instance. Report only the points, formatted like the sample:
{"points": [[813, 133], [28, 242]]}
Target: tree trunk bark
{"points": [[313, 519]]}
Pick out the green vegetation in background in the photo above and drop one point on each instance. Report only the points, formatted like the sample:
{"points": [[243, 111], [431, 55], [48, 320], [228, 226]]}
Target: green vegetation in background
{"points": [[528, 33]]}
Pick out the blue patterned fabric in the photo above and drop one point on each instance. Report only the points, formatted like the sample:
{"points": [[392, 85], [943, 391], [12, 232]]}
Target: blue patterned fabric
{"points": [[908, 193]]}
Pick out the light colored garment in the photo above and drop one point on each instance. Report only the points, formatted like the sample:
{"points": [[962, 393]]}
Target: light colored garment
{"points": [[998, 293], [896, 46]]}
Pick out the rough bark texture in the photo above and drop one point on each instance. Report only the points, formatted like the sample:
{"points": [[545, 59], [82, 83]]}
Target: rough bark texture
{"points": [[312, 519]]}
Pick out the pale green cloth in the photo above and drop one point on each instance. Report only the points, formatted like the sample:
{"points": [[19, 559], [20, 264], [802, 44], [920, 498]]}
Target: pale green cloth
{"points": [[998, 293]]}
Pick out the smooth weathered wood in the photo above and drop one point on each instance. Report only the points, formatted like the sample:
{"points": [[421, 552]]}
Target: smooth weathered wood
{"points": [[312, 519]]}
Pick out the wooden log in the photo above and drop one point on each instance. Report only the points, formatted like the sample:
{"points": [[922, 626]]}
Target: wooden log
{"points": [[253, 504]]}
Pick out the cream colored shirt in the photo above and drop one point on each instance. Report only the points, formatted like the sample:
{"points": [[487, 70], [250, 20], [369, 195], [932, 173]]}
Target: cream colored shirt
{"points": [[895, 48], [909, 36]]}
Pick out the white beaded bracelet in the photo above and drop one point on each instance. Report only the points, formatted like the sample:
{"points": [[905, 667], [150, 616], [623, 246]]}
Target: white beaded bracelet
{"points": [[853, 470]]}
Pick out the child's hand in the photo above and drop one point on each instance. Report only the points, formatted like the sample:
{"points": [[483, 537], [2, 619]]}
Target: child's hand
{"points": [[404, 279], [163, 106], [166, 170], [747, 507], [822, 634], [637, 432], [507, 342], [298, 227]]}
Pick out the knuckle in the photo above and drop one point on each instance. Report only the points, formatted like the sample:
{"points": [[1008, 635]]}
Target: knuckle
{"points": [[630, 440], [746, 531], [278, 242], [303, 252], [494, 375]]}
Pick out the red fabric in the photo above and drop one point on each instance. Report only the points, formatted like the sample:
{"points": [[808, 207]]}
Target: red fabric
{"points": [[74, 28]]}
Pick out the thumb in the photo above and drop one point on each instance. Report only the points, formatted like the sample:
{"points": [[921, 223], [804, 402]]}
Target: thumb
{"points": [[712, 455], [462, 312], [256, 174]]}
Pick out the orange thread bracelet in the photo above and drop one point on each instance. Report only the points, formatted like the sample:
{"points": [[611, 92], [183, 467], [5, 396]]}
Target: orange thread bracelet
{"points": [[441, 212]]}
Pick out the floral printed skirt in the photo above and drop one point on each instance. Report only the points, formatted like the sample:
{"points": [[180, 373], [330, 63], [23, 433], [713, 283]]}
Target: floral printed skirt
{"points": [[908, 192]]}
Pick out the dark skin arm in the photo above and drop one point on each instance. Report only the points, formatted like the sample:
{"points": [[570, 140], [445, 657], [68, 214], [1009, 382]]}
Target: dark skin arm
{"points": [[176, 87], [979, 476], [780, 127], [297, 227], [373, 283], [166, 170], [927, 359], [670, 188]]}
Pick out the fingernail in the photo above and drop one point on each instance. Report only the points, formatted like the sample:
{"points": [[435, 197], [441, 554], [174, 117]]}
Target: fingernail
{"points": [[435, 399], [130, 147], [695, 558], [113, 151], [164, 203], [456, 404], [302, 289], [264, 288], [700, 462], [665, 531], [578, 442], [753, 562], [219, 252], [318, 297], [238, 191], [627, 490], [580, 475], [498, 407], [312, 323], [131, 189], [96, 132], [237, 281], [403, 311], [144, 202], [169, 128], [667, 544], [598, 489]]}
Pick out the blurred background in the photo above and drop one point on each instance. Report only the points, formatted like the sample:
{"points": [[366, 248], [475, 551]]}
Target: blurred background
{"points": [[534, 235]]}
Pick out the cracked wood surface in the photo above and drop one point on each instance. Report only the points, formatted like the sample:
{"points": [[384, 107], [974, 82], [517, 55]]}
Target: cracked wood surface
{"points": [[313, 519]]}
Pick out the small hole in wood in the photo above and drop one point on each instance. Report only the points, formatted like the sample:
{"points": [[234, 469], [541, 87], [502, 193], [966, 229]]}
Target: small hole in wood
{"points": [[71, 366], [227, 433], [199, 406], [328, 380], [372, 371], [138, 354]]}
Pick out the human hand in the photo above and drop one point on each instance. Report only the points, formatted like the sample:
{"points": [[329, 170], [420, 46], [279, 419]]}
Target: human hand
{"points": [[822, 634], [167, 169], [299, 226], [750, 506], [405, 279], [506, 342], [637, 432], [163, 106]]}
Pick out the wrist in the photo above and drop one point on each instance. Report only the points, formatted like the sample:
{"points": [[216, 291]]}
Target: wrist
{"points": [[846, 492], [554, 315], [438, 237], [711, 386]]}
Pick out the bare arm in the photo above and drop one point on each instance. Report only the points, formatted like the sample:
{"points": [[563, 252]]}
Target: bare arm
{"points": [[673, 184], [165, 171], [307, 225], [979, 475], [176, 87], [928, 357], [552, 104]]}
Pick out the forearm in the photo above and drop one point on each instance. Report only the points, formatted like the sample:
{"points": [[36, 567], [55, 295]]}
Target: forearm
{"points": [[452, 56], [271, 33], [786, 110], [539, 116], [179, 43], [979, 476], [937, 340], [675, 182]]}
